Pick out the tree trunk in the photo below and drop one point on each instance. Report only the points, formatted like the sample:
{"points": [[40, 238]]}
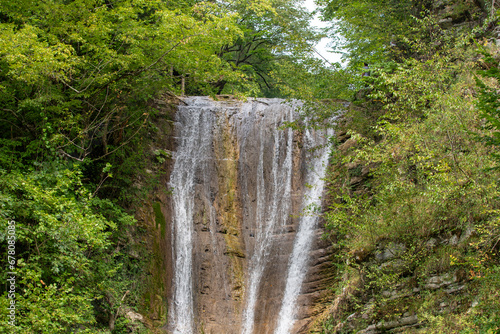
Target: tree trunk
{"points": [[112, 320]]}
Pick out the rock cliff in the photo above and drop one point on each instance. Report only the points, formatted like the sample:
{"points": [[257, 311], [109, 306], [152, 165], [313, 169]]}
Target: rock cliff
{"points": [[237, 186]]}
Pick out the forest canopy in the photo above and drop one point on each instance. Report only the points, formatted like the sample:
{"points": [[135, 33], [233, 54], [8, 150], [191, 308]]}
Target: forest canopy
{"points": [[78, 85]]}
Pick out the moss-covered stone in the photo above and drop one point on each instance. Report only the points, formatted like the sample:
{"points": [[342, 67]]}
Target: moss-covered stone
{"points": [[159, 217], [152, 216]]}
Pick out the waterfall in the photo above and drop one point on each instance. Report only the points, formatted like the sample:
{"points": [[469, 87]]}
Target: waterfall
{"points": [[297, 268], [194, 128], [273, 204], [239, 262]]}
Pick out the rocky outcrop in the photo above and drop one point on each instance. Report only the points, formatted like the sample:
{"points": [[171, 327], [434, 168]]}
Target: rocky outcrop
{"points": [[391, 285], [150, 239]]}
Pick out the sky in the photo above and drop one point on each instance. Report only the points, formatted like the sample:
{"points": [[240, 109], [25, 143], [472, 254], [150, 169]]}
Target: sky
{"points": [[322, 47]]}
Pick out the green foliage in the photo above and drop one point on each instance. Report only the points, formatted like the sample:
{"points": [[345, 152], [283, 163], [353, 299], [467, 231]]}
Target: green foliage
{"points": [[63, 234], [162, 155], [489, 102], [481, 317], [310, 80], [77, 81], [367, 29], [427, 161], [75, 73], [159, 217], [410, 171], [274, 32], [429, 178], [485, 316]]}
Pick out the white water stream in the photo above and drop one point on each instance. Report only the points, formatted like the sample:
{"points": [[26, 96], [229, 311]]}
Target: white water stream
{"points": [[273, 205], [297, 267], [194, 129]]}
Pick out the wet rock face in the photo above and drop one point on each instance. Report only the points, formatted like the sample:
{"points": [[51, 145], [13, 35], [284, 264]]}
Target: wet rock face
{"points": [[240, 186]]}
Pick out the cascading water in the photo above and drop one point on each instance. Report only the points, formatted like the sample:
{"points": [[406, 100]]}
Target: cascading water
{"points": [[272, 209], [298, 260], [239, 265], [194, 129]]}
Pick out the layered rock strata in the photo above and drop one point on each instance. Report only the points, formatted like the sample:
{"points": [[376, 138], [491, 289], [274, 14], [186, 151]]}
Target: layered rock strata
{"points": [[238, 187]]}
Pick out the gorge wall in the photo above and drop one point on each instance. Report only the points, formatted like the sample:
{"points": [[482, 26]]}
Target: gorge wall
{"points": [[241, 257]]}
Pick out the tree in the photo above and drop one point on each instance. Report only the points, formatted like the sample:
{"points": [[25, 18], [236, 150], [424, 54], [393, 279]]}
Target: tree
{"points": [[75, 81], [86, 64], [488, 102], [368, 29], [274, 31]]}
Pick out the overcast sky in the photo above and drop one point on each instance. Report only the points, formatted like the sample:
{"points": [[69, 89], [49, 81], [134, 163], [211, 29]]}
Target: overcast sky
{"points": [[322, 47]]}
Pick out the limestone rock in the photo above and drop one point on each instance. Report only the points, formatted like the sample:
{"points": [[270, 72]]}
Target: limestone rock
{"points": [[389, 252], [134, 316]]}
